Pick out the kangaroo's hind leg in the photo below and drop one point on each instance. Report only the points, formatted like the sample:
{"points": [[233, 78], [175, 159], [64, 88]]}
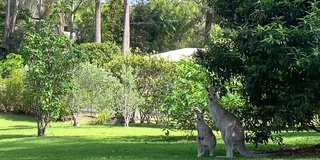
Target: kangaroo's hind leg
{"points": [[211, 151], [229, 144], [200, 148], [229, 148]]}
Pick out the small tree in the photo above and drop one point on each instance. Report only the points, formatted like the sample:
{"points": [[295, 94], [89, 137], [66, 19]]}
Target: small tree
{"points": [[49, 59], [150, 82], [94, 88], [129, 97]]}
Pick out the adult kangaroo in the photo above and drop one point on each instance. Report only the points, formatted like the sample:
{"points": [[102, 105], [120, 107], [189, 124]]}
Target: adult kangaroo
{"points": [[230, 127], [206, 140]]}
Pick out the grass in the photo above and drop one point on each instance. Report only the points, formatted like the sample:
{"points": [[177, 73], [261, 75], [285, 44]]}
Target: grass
{"points": [[18, 140]]}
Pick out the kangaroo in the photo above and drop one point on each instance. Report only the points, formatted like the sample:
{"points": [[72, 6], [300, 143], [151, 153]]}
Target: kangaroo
{"points": [[230, 127], [206, 140]]}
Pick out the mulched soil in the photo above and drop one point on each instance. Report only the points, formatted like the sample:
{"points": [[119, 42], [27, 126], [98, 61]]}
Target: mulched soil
{"points": [[312, 151]]}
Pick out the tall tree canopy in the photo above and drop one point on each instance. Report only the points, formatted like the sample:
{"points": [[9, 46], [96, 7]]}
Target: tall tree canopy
{"points": [[274, 47], [163, 25]]}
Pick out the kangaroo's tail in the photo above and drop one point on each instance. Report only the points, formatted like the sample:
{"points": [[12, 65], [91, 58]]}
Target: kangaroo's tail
{"points": [[244, 152]]}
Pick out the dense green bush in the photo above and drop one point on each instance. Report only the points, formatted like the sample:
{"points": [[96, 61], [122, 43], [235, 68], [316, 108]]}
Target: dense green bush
{"points": [[102, 117], [11, 84], [273, 46], [64, 112], [151, 84], [187, 90], [95, 88], [100, 53]]}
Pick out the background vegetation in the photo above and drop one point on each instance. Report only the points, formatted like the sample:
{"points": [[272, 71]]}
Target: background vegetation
{"points": [[264, 55]]}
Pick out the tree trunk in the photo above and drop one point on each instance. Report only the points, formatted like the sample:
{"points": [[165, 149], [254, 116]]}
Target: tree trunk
{"points": [[41, 129], [97, 38], [127, 121], [133, 120], [72, 19], [41, 132], [14, 16], [73, 14], [6, 32], [75, 120], [148, 119], [142, 117], [126, 31], [73, 109], [39, 15], [209, 20], [158, 117], [62, 22]]}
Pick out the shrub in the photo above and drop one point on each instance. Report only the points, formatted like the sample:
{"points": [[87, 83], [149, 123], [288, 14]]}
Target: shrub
{"points": [[187, 90], [100, 53], [102, 117], [94, 88], [65, 113], [151, 84], [11, 85]]}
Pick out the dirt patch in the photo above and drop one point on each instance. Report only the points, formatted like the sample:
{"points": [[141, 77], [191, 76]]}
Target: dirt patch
{"points": [[312, 151], [86, 116]]}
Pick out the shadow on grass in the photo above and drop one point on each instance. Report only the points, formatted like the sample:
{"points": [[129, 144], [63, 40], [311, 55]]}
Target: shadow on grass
{"points": [[18, 127], [92, 123], [10, 136], [81, 148], [154, 138], [16, 117], [128, 147], [299, 134], [145, 125]]}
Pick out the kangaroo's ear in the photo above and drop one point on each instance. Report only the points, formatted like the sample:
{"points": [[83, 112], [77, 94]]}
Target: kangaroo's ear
{"points": [[203, 110], [217, 88]]}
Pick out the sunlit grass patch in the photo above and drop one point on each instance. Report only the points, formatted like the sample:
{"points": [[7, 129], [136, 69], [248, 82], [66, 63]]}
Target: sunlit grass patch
{"points": [[18, 140]]}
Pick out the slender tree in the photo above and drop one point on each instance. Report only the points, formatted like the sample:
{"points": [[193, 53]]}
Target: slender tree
{"points": [[126, 31], [6, 28], [208, 24], [72, 16], [209, 16], [129, 99], [14, 15], [97, 38], [40, 11], [74, 9], [60, 8]]}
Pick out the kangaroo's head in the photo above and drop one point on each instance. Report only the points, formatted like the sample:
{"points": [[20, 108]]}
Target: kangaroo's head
{"points": [[199, 114], [212, 94]]}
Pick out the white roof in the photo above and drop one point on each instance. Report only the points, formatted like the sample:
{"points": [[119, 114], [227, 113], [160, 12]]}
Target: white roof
{"points": [[178, 54]]}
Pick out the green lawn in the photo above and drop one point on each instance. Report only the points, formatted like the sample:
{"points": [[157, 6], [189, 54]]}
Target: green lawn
{"points": [[18, 141]]}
